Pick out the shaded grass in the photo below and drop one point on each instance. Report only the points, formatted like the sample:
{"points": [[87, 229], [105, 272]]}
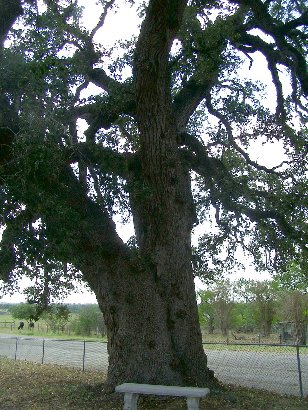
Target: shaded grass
{"points": [[30, 386]]}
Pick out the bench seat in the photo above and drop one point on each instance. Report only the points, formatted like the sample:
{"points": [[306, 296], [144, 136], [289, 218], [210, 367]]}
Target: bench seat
{"points": [[132, 390]]}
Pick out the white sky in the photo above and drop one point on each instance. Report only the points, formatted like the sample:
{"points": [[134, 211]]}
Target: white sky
{"points": [[122, 25]]}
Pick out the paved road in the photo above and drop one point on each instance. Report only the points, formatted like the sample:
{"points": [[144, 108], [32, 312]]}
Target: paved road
{"points": [[263, 370]]}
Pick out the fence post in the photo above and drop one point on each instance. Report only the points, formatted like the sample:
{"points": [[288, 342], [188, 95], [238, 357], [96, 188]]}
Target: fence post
{"points": [[43, 352], [84, 354], [299, 371], [16, 348]]}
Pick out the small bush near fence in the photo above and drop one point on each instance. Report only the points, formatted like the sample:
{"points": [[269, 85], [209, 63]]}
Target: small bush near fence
{"points": [[279, 368]]}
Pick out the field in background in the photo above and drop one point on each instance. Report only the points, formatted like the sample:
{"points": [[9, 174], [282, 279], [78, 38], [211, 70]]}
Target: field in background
{"points": [[9, 326]]}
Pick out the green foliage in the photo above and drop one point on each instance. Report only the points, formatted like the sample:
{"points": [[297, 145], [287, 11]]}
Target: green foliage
{"points": [[291, 286], [294, 278], [216, 306], [243, 318], [24, 311], [264, 298], [206, 309], [56, 316], [59, 174], [248, 305], [90, 320]]}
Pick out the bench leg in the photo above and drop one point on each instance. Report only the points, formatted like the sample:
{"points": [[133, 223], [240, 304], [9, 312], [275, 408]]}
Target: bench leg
{"points": [[193, 403], [130, 401]]}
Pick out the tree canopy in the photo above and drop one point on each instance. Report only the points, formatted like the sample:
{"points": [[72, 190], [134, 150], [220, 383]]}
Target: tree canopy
{"points": [[160, 129], [24, 311]]}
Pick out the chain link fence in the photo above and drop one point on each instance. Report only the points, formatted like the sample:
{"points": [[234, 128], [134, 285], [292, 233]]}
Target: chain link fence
{"points": [[279, 368], [87, 355]]}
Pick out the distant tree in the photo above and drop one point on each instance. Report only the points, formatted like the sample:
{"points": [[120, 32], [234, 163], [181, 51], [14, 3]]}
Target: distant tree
{"points": [[293, 307], [292, 287], [25, 311], [76, 307], [90, 319], [224, 303], [206, 309], [5, 306], [56, 316], [243, 319], [215, 306], [264, 298]]}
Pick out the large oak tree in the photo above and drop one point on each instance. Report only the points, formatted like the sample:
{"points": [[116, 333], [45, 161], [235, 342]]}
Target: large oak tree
{"points": [[169, 130]]}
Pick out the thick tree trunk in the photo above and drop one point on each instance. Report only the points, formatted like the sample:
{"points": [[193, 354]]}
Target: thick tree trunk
{"points": [[149, 304], [148, 300], [151, 310], [153, 333]]}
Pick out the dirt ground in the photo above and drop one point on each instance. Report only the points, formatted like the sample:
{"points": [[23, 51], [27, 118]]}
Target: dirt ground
{"points": [[31, 386]]}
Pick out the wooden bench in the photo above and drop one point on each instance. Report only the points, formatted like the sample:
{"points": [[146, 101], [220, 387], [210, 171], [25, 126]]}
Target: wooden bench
{"points": [[132, 390]]}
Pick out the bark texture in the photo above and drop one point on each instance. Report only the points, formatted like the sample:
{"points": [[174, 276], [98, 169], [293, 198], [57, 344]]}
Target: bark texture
{"points": [[152, 325], [148, 298], [150, 307]]}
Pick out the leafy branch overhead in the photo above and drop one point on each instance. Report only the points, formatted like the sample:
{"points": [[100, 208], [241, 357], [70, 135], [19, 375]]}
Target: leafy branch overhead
{"points": [[74, 116]]}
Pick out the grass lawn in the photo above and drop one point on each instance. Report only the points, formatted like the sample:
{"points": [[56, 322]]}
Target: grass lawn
{"points": [[30, 386]]}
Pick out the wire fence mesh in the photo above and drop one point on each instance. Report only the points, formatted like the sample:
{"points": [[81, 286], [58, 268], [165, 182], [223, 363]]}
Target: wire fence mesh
{"points": [[279, 368]]}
